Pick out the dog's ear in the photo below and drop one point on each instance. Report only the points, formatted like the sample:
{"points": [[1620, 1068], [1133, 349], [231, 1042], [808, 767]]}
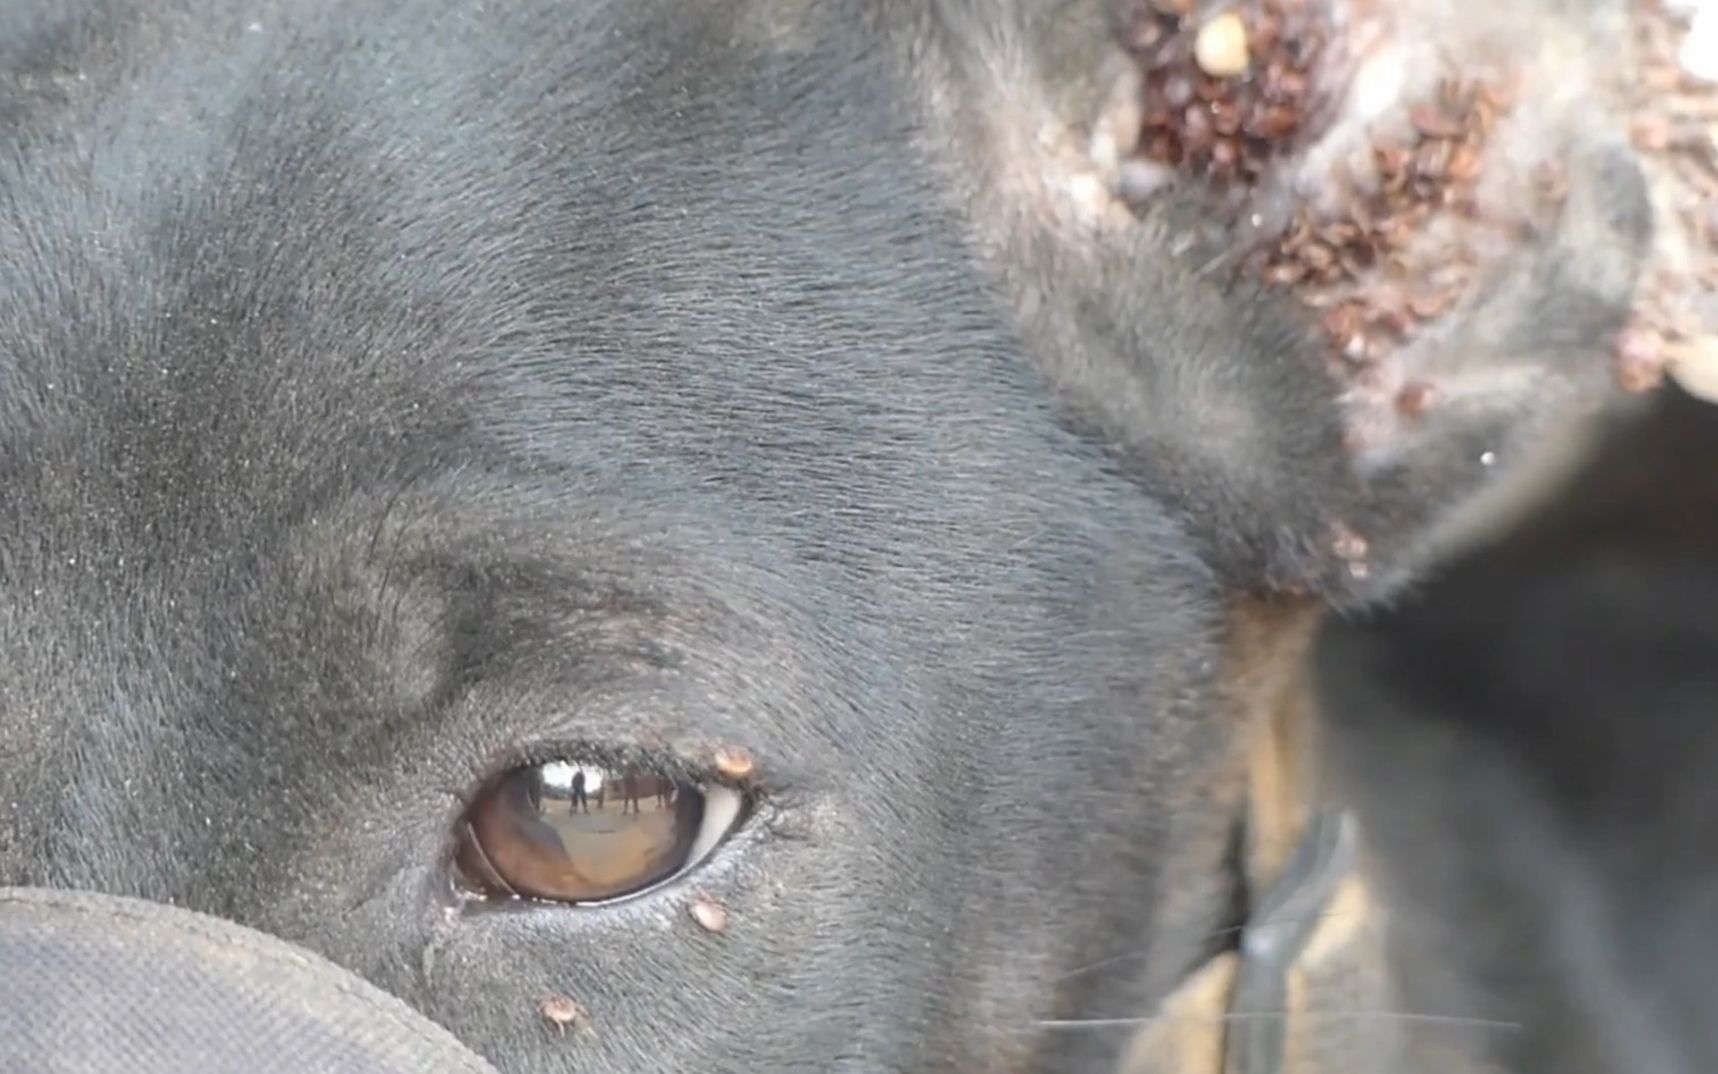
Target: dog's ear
{"points": [[1318, 272]]}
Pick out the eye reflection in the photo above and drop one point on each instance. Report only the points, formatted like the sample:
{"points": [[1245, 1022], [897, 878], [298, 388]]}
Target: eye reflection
{"points": [[579, 785], [577, 832]]}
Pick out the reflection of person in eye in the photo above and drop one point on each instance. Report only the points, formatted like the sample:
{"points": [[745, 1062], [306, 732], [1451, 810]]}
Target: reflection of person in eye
{"points": [[579, 797], [629, 793], [664, 792], [521, 802]]}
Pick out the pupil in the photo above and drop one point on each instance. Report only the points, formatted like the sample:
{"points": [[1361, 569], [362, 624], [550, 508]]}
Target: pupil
{"points": [[579, 832]]}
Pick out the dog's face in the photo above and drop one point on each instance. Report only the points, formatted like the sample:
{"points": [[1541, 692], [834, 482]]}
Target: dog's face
{"points": [[420, 429], [374, 430]]}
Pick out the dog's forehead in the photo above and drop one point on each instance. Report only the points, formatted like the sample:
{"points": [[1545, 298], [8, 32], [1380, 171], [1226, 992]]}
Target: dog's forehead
{"points": [[252, 339]]}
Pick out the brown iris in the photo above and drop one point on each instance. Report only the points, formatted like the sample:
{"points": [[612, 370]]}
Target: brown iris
{"points": [[572, 832]]}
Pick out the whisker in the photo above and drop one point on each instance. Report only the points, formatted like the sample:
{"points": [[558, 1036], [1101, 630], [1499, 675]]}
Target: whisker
{"points": [[1454, 1020], [1214, 934], [1093, 967]]}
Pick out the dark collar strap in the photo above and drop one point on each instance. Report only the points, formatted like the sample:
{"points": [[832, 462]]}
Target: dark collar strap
{"points": [[1273, 938]]}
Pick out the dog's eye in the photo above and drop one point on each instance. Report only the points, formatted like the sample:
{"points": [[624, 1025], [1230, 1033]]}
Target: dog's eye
{"points": [[583, 833]]}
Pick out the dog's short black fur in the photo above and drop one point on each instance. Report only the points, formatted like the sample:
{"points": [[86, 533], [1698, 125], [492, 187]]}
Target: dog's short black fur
{"points": [[393, 393], [1530, 735]]}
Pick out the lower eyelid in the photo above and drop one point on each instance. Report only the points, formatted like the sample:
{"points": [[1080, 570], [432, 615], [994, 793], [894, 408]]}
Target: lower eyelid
{"points": [[627, 910]]}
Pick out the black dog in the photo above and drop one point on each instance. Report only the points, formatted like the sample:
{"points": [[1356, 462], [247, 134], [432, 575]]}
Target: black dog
{"points": [[399, 400]]}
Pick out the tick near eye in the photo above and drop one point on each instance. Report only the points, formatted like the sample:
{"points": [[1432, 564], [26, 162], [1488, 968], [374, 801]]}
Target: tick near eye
{"points": [[574, 832]]}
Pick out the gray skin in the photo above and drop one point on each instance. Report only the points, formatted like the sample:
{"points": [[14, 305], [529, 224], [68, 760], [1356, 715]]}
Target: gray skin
{"points": [[391, 395]]}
